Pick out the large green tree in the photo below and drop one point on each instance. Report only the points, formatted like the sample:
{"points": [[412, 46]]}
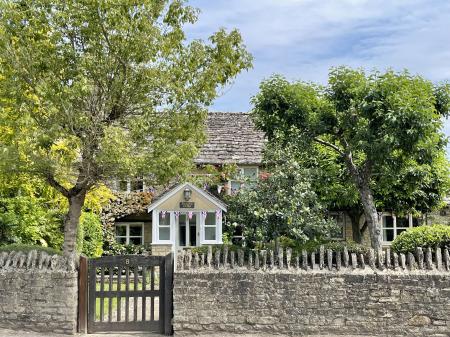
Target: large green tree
{"points": [[280, 203], [376, 125], [92, 90]]}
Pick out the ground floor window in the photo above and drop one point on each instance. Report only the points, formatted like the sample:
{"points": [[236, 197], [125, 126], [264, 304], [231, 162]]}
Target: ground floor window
{"points": [[130, 233], [393, 225], [164, 226], [339, 232], [210, 227]]}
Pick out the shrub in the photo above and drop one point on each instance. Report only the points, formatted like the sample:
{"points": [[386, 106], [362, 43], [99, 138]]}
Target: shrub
{"points": [[423, 236], [90, 235], [115, 248], [31, 221], [27, 248]]}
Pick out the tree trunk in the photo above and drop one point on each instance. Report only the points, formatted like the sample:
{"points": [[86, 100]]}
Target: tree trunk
{"points": [[71, 223], [371, 214], [361, 179]]}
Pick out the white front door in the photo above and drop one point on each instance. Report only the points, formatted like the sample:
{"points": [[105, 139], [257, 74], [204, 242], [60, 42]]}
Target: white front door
{"points": [[188, 230]]}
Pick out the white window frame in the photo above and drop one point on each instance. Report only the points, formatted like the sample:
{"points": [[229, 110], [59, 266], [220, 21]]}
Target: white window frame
{"points": [[127, 234], [395, 227], [239, 175], [344, 224], [189, 223], [218, 225], [156, 226]]}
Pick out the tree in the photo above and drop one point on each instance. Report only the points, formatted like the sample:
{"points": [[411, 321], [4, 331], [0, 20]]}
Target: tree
{"points": [[282, 203], [93, 90], [377, 125]]}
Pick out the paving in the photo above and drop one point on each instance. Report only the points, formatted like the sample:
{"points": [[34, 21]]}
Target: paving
{"points": [[13, 333]]}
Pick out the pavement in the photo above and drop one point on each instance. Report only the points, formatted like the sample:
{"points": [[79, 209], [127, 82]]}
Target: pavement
{"points": [[14, 333]]}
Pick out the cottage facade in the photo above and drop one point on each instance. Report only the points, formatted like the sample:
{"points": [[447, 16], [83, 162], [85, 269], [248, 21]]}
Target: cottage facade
{"points": [[187, 216]]}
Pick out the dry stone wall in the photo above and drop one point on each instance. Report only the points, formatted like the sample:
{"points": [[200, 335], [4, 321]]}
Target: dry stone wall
{"points": [[38, 292], [381, 294]]}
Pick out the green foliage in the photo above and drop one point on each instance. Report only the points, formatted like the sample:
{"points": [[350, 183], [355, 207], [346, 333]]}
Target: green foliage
{"points": [[115, 248], [313, 245], [424, 237], [94, 90], [282, 204], [26, 248], [29, 220], [372, 140], [90, 235]]}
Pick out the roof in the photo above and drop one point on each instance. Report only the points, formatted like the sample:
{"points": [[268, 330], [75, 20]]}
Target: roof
{"points": [[231, 138], [174, 189]]}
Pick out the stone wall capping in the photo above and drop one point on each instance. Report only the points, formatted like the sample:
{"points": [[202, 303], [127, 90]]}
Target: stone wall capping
{"points": [[269, 260], [35, 260]]}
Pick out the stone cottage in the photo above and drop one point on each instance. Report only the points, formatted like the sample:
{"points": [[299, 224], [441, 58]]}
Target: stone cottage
{"points": [[185, 215]]}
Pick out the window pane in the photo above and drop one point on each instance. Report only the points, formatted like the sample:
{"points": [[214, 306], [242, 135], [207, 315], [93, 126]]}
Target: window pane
{"points": [[182, 239], [416, 222], [210, 219], [135, 230], [192, 233], [403, 222], [137, 184], [250, 172], [235, 185], [338, 233], [388, 234], [399, 230], [164, 221], [123, 185], [121, 230], [164, 233], [210, 233], [388, 221], [136, 241], [121, 240]]}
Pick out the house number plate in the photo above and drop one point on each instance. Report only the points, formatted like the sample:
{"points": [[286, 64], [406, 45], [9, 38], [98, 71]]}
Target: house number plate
{"points": [[127, 262]]}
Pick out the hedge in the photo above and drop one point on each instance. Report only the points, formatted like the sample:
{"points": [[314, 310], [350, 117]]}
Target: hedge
{"points": [[424, 237]]}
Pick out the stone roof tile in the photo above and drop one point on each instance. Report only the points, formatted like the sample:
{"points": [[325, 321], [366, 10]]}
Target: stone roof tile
{"points": [[231, 138]]}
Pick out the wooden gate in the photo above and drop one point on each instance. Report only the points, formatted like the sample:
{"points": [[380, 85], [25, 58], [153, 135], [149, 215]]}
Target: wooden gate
{"points": [[130, 293]]}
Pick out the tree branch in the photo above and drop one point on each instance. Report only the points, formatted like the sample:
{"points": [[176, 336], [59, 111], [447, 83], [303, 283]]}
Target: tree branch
{"points": [[56, 185], [332, 146]]}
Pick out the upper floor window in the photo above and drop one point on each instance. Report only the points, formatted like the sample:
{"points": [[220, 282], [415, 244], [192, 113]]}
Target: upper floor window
{"points": [[245, 174]]}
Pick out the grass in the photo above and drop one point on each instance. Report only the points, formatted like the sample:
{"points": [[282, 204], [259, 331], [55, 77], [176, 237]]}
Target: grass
{"points": [[114, 287], [26, 248]]}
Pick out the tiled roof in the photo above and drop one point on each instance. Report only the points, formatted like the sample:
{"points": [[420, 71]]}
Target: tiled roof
{"points": [[231, 138]]}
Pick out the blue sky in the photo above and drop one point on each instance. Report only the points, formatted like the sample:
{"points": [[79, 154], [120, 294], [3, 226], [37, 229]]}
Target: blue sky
{"points": [[302, 39]]}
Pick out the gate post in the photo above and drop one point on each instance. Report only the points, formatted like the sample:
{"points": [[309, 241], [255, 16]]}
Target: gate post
{"points": [[168, 296], [82, 294]]}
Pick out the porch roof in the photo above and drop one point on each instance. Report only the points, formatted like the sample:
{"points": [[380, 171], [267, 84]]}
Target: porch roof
{"points": [[158, 200]]}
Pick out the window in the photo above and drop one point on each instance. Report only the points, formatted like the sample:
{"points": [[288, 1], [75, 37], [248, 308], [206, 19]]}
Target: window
{"points": [[210, 227], [392, 226], [339, 232], [245, 174], [164, 226], [130, 233]]}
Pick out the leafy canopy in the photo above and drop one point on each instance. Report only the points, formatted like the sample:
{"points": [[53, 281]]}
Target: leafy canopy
{"points": [[103, 89], [280, 204], [390, 123]]}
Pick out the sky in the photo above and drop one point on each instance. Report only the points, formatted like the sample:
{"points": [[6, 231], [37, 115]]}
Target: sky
{"points": [[302, 39]]}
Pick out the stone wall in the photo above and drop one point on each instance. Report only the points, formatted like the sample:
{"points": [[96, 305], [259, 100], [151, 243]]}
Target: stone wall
{"points": [[386, 296], [38, 292]]}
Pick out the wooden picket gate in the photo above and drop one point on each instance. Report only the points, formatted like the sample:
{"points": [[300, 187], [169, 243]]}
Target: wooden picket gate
{"points": [[128, 293]]}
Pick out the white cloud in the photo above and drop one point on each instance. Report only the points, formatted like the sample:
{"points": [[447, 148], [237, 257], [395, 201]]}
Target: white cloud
{"points": [[304, 38]]}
